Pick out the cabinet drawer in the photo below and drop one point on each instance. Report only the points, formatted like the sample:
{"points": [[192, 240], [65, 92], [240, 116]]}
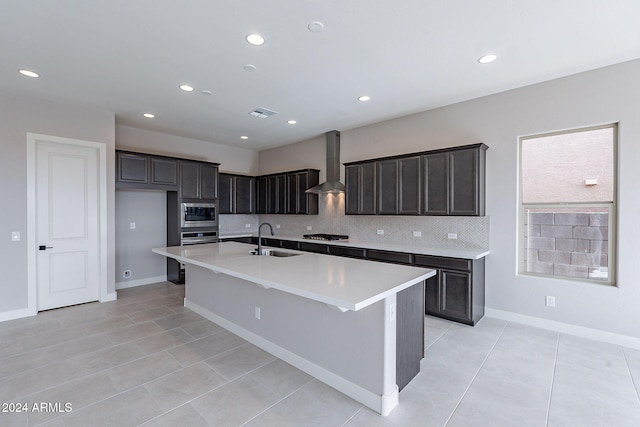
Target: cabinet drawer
{"points": [[289, 244], [313, 247], [397, 257], [274, 243], [442, 262], [348, 252]]}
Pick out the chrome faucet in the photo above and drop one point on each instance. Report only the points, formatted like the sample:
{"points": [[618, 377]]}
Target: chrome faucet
{"points": [[260, 236]]}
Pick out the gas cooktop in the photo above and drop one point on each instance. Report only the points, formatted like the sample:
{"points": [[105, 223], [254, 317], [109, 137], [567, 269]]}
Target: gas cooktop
{"points": [[322, 236]]}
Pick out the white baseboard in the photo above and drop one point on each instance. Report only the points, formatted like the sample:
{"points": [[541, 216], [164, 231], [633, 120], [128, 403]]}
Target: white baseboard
{"points": [[110, 297], [381, 404], [16, 314], [140, 282], [565, 328]]}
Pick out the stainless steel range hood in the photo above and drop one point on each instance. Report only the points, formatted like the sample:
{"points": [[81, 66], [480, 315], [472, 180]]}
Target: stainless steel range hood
{"points": [[332, 184]]}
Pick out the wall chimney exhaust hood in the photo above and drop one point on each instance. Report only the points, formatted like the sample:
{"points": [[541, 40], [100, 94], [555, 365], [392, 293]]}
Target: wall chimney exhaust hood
{"points": [[332, 184]]}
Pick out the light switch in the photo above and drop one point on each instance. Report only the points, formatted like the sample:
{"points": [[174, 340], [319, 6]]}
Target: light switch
{"points": [[132, 225], [15, 236]]}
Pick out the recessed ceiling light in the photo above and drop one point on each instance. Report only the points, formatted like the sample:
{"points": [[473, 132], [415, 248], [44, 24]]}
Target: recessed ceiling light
{"points": [[186, 88], [487, 58], [244, 137], [250, 67], [255, 39], [206, 92], [149, 115], [364, 98], [292, 122], [315, 26], [29, 73]]}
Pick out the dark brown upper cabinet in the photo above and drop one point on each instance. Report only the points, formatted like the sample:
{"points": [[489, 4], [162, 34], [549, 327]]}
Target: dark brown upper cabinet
{"points": [[198, 180], [441, 182], [236, 194], [146, 171], [360, 193], [284, 193]]}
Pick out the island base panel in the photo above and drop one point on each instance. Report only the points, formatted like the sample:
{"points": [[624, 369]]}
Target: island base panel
{"points": [[354, 352]]}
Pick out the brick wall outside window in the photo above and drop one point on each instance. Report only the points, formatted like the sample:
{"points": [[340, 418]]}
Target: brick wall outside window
{"points": [[569, 244]]}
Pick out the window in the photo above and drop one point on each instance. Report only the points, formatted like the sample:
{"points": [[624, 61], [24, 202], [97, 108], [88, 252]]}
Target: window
{"points": [[567, 204]]}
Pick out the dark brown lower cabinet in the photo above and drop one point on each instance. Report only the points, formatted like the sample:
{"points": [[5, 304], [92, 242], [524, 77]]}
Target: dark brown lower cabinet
{"points": [[454, 293]]}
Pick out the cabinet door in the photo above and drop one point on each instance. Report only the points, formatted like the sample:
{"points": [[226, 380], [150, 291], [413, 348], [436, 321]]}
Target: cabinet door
{"points": [[432, 295], [281, 194], [455, 294], [272, 194], [244, 194], [463, 183], [409, 186], [352, 190], [368, 189], [292, 190], [189, 180], [164, 171], [360, 189], [208, 181], [302, 196], [262, 195], [133, 168], [226, 191], [436, 200], [387, 173]]}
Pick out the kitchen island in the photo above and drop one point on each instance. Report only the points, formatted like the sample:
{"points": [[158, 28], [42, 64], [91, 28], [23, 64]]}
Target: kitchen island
{"points": [[353, 324]]}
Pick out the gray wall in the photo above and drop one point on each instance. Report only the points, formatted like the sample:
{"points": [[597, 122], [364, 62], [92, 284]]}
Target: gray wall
{"points": [[148, 210], [149, 265], [19, 115], [601, 96]]}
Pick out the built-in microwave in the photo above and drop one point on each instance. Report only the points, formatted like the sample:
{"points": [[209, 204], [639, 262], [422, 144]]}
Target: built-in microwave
{"points": [[198, 215]]}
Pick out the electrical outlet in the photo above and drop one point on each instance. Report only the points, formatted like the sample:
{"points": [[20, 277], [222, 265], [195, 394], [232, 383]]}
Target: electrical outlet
{"points": [[132, 225], [452, 236], [380, 232], [550, 301], [247, 225], [257, 312], [277, 225], [417, 234], [15, 236], [309, 228], [126, 274]]}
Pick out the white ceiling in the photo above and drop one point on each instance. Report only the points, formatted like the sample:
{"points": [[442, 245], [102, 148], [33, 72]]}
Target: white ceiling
{"points": [[130, 56]]}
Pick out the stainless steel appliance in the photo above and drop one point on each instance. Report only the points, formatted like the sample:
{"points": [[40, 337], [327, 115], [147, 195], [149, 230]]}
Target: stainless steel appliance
{"points": [[198, 215], [198, 237], [194, 238], [323, 236]]}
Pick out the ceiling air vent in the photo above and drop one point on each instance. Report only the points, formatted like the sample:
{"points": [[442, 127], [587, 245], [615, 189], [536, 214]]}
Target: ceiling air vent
{"points": [[262, 113]]}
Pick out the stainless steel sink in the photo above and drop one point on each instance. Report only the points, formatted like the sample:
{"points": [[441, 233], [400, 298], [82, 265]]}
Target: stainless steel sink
{"points": [[279, 254]]}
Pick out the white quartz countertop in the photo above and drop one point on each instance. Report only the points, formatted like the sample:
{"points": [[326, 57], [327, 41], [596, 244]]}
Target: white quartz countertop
{"points": [[341, 283], [413, 249]]}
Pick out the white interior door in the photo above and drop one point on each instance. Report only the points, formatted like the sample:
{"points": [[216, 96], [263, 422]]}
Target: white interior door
{"points": [[67, 224]]}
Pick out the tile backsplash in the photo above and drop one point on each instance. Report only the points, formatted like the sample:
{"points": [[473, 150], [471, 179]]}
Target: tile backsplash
{"points": [[472, 232]]}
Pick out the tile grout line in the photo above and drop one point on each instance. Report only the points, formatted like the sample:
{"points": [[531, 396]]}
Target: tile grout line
{"points": [[285, 397], [635, 386], [352, 416], [553, 378], [476, 374], [437, 339]]}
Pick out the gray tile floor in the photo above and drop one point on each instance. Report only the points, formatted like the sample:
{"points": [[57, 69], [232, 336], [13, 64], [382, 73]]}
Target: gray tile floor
{"points": [[146, 360]]}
